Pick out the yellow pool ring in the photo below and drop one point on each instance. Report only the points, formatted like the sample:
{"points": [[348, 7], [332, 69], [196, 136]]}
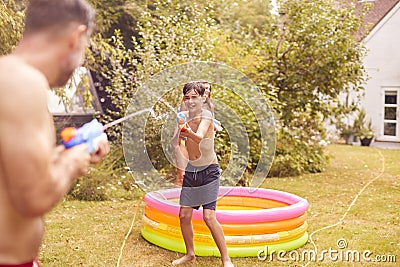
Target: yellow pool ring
{"points": [[247, 202], [229, 229], [250, 202], [212, 250], [245, 240]]}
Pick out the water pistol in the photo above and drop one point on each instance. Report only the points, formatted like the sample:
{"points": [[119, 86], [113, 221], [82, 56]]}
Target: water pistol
{"points": [[217, 125], [90, 133], [182, 122]]}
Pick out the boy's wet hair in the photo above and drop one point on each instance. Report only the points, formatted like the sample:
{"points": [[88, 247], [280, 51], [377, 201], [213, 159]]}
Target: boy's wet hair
{"points": [[196, 86]]}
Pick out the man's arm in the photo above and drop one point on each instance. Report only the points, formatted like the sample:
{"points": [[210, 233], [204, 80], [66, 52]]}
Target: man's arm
{"points": [[201, 132], [35, 172]]}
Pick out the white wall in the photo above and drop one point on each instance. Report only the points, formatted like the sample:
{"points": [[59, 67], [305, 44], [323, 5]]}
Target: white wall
{"points": [[383, 66], [57, 107]]}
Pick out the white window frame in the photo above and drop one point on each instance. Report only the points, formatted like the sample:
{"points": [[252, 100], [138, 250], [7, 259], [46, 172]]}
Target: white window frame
{"points": [[384, 137]]}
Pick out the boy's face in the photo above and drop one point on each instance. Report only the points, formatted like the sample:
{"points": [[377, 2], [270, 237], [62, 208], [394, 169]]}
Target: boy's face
{"points": [[193, 100]]}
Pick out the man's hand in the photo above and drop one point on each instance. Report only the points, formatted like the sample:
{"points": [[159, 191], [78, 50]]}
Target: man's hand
{"points": [[104, 149], [75, 160]]}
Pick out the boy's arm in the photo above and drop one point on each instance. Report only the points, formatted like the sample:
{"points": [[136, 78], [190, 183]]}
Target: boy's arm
{"points": [[201, 132], [175, 140], [180, 150]]}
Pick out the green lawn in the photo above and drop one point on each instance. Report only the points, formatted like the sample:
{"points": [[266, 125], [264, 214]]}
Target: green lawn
{"points": [[91, 233]]}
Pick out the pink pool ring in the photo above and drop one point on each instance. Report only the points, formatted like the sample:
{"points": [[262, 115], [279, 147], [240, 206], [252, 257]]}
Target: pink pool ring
{"points": [[296, 206]]}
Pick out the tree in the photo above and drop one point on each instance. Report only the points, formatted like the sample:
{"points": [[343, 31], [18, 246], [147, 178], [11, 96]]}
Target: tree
{"points": [[169, 34], [119, 15], [310, 58], [11, 24], [302, 59]]}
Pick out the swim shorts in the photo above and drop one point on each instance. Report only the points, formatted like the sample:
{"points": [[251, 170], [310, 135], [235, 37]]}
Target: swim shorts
{"points": [[200, 186], [34, 263]]}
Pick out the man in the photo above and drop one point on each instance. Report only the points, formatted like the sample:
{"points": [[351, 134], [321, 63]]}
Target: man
{"points": [[201, 180], [34, 173]]}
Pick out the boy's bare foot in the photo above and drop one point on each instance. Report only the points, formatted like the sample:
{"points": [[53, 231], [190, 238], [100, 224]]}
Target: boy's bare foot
{"points": [[228, 264], [184, 259]]}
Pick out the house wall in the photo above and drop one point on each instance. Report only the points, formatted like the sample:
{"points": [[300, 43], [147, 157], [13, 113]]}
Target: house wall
{"points": [[383, 66]]}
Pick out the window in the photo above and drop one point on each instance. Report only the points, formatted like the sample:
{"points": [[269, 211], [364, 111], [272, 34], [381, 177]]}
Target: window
{"points": [[390, 113]]}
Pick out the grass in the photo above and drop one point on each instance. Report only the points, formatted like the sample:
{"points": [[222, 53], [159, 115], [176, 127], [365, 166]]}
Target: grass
{"points": [[91, 233]]}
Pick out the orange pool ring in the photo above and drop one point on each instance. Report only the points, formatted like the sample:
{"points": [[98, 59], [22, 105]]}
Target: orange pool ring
{"points": [[229, 229]]}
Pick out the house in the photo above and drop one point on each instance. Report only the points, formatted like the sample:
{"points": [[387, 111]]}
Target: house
{"points": [[79, 102], [382, 64]]}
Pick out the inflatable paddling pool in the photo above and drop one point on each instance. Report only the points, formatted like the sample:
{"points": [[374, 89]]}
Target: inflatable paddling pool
{"points": [[251, 218]]}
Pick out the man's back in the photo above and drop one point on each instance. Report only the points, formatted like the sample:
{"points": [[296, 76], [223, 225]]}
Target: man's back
{"points": [[35, 174], [20, 234]]}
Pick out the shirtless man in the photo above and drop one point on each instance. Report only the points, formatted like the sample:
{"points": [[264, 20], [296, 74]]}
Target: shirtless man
{"points": [[35, 174], [201, 180]]}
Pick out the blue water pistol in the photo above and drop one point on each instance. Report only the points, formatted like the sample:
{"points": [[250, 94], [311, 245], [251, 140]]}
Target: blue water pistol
{"points": [[90, 133]]}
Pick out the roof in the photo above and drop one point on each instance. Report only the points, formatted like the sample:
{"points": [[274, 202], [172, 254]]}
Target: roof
{"points": [[379, 9]]}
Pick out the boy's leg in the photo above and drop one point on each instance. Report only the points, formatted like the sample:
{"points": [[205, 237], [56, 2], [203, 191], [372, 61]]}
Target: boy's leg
{"points": [[185, 218], [218, 234]]}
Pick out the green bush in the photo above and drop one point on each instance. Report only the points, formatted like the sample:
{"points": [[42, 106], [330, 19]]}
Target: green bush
{"points": [[300, 146], [11, 24], [106, 180], [294, 158]]}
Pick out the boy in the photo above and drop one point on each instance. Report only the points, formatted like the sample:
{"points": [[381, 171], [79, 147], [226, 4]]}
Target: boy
{"points": [[201, 179], [207, 104]]}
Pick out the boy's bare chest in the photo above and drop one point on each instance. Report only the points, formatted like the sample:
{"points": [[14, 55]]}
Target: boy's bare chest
{"points": [[194, 124]]}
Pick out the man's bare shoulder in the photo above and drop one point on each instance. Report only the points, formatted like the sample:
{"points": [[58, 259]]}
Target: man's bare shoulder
{"points": [[17, 77], [15, 70], [21, 86]]}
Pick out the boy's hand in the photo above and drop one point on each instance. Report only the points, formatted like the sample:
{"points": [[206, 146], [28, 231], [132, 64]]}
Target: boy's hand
{"points": [[188, 133]]}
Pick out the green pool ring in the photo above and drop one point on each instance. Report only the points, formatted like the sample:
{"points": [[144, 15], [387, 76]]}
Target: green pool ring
{"points": [[212, 250], [173, 232]]}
